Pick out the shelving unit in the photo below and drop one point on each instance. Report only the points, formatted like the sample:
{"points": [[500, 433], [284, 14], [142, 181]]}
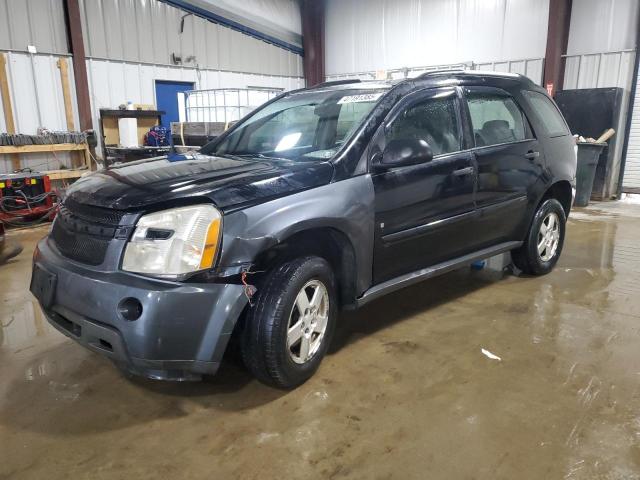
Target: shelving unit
{"points": [[56, 147]]}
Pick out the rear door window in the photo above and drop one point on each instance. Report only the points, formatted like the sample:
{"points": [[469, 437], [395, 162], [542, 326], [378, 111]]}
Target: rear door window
{"points": [[496, 119], [552, 120]]}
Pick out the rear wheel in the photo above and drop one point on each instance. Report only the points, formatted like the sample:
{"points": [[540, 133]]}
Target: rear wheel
{"points": [[543, 245], [289, 327]]}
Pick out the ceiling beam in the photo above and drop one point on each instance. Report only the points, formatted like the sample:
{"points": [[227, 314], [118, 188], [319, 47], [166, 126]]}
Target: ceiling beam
{"points": [[217, 14]]}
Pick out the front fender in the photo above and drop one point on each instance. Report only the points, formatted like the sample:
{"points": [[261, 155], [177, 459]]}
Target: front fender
{"points": [[346, 206]]}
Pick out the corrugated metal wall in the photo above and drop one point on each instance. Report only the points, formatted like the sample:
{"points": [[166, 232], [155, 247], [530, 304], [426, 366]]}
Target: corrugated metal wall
{"points": [[279, 19], [601, 53], [532, 68], [150, 31], [36, 95], [599, 70], [605, 70], [631, 179], [602, 40], [34, 80], [35, 85], [128, 43], [285, 14], [33, 22], [113, 83], [602, 26], [398, 73], [370, 35]]}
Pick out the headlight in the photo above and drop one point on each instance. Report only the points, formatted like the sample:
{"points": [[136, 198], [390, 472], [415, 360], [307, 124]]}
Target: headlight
{"points": [[174, 242]]}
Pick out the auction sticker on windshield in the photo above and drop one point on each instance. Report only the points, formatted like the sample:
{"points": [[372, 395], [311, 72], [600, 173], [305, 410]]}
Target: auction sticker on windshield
{"points": [[365, 97]]}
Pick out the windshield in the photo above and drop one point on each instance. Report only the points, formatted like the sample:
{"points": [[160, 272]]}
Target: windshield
{"points": [[303, 126]]}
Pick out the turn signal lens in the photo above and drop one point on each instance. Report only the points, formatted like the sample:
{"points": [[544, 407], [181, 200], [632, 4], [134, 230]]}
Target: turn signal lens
{"points": [[211, 245]]}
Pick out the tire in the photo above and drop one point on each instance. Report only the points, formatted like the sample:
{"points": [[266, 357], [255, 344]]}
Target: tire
{"points": [[269, 352], [528, 257]]}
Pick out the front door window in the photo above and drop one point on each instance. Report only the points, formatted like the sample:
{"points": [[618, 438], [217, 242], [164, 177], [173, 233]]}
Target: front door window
{"points": [[433, 120]]}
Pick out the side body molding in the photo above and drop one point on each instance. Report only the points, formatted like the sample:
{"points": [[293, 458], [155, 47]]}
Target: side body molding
{"points": [[346, 206]]}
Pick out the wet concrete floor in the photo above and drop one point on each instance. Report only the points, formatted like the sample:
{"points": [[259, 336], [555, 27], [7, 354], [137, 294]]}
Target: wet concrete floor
{"points": [[405, 393]]}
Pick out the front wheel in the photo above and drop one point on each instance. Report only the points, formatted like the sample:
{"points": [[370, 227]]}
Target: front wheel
{"points": [[289, 327], [543, 245]]}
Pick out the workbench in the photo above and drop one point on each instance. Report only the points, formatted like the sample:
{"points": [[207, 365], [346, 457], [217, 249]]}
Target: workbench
{"points": [[109, 123], [110, 132], [122, 154]]}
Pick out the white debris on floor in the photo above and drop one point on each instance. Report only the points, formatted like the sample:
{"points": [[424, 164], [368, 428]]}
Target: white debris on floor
{"points": [[490, 355]]}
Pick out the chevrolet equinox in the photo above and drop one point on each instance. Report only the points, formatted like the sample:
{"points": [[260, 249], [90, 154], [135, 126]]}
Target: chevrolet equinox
{"points": [[323, 199]]}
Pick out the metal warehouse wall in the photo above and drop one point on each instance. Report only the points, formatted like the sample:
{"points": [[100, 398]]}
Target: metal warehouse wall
{"points": [[34, 80], [112, 83], [36, 95], [283, 13], [631, 180], [602, 26], [33, 22], [601, 53], [369, 35], [149, 32], [279, 17], [128, 45], [602, 40]]}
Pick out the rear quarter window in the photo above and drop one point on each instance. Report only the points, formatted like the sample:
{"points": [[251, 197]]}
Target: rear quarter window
{"points": [[548, 113]]}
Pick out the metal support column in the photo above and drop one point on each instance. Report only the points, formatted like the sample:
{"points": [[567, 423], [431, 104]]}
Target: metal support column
{"points": [[76, 44], [557, 40], [313, 12]]}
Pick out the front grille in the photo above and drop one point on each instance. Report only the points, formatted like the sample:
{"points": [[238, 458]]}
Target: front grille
{"points": [[83, 248], [83, 232], [93, 214]]}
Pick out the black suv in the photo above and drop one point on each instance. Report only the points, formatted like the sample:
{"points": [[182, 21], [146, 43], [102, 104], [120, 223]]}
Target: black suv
{"points": [[322, 199]]}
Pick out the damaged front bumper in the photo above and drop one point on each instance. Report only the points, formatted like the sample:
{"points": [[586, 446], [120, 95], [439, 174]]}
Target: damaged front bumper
{"points": [[175, 331]]}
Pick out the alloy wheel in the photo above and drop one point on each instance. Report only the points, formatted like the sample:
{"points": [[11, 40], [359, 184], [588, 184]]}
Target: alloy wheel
{"points": [[308, 321], [549, 237]]}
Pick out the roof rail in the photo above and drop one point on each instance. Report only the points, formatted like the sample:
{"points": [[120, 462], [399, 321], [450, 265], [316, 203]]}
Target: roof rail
{"points": [[487, 73], [448, 70], [339, 82]]}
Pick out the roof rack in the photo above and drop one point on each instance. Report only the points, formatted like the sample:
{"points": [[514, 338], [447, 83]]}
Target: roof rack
{"points": [[434, 72], [339, 82], [487, 73]]}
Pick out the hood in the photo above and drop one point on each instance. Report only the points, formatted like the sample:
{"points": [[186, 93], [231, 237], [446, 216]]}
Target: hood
{"points": [[227, 181]]}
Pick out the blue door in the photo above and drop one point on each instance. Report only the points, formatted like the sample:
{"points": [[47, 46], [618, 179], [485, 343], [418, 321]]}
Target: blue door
{"points": [[167, 99]]}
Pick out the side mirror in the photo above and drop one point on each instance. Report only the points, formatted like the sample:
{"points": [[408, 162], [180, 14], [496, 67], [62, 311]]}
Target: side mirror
{"points": [[404, 152]]}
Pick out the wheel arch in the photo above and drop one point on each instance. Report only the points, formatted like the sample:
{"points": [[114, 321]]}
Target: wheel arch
{"points": [[327, 242], [561, 191]]}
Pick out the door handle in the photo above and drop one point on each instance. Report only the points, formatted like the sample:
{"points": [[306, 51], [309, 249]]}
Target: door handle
{"points": [[463, 171], [531, 155]]}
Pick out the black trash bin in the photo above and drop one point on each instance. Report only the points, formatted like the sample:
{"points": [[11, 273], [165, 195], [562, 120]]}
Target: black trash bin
{"points": [[588, 155]]}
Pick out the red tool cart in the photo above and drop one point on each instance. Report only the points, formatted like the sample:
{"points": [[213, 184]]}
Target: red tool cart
{"points": [[25, 197]]}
